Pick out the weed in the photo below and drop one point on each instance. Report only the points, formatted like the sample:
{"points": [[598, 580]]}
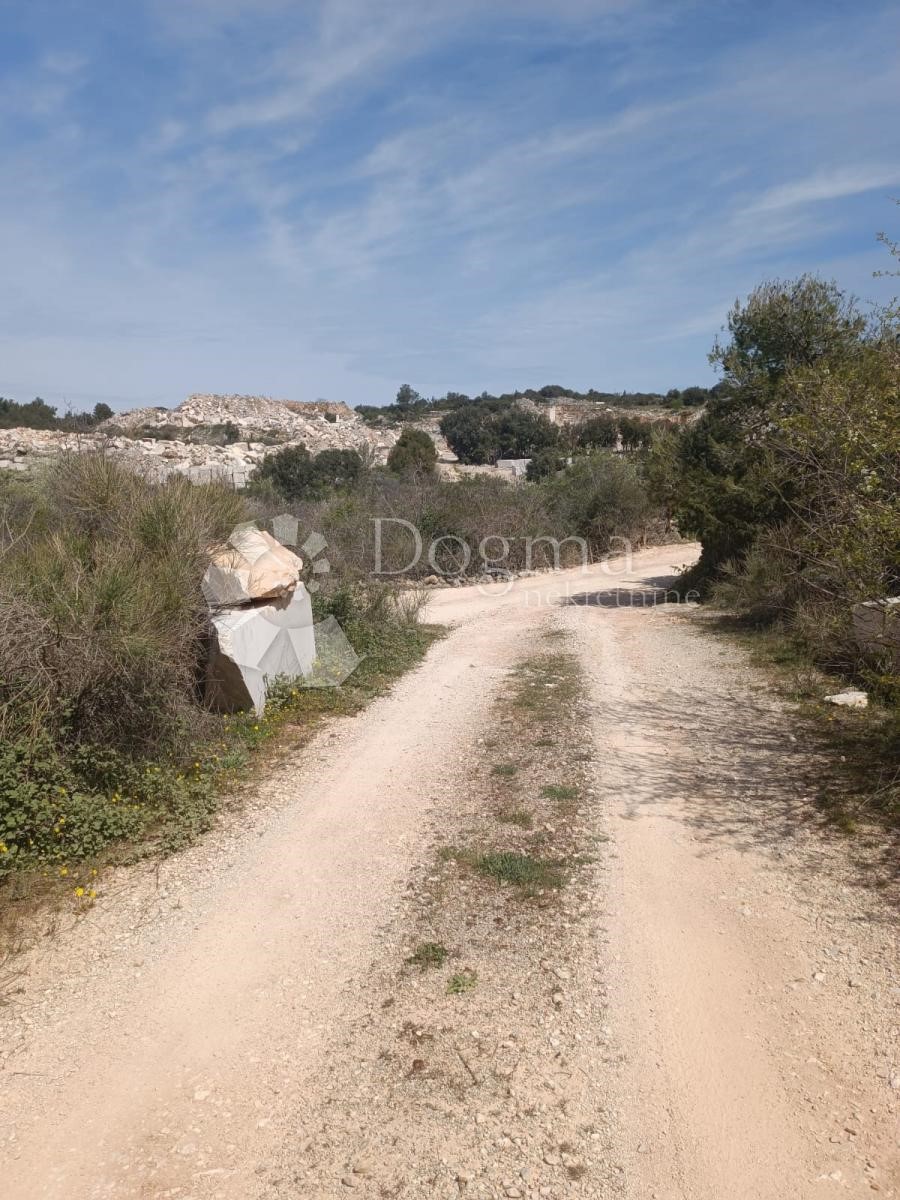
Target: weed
{"points": [[521, 870], [554, 792], [516, 816], [428, 954], [504, 770], [546, 683], [462, 981]]}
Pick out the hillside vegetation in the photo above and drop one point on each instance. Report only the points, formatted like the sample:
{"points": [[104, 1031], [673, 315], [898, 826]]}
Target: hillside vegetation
{"points": [[104, 737], [791, 480], [38, 414], [409, 405]]}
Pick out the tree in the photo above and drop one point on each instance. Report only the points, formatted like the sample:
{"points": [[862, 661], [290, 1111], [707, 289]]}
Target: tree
{"points": [[600, 497], [471, 435], [788, 324], [694, 396], [732, 486], [600, 432], [37, 414], [545, 463], [479, 435], [635, 433], [414, 451], [661, 469], [102, 412], [522, 434], [407, 397], [294, 474]]}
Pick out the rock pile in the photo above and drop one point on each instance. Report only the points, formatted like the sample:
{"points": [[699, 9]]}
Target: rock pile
{"points": [[320, 425], [179, 446]]}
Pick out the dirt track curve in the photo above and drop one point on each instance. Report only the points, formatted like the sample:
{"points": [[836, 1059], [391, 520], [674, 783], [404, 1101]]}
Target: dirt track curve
{"points": [[184, 1039]]}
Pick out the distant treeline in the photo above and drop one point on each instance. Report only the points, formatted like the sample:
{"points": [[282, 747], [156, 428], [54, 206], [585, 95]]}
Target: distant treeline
{"points": [[38, 414], [409, 404]]}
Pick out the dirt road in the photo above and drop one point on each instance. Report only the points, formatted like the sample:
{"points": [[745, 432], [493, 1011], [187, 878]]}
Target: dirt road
{"points": [[726, 1026]]}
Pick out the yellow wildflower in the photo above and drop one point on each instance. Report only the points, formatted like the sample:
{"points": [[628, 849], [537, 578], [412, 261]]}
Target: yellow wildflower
{"points": [[79, 891]]}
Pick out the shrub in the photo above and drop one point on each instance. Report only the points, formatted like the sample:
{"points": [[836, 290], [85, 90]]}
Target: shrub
{"points": [[733, 484], [763, 587], [101, 610], [103, 735], [413, 451], [544, 464], [336, 470], [598, 498], [292, 473]]}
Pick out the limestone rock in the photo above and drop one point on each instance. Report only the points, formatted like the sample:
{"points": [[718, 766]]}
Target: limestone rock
{"points": [[253, 646], [186, 440], [849, 699], [252, 566]]}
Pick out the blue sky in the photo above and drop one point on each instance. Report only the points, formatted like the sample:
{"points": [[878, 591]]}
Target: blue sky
{"points": [[331, 197]]}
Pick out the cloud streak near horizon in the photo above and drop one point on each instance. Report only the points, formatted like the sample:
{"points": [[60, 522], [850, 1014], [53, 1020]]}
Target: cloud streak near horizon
{"points": [[331, 198]]}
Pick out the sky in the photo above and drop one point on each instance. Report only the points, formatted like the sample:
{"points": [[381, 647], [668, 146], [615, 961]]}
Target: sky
{"points": [[328, 198]]}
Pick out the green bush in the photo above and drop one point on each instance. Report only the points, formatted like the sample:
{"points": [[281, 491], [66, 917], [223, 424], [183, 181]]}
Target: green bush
{"points": [[413, 451], [101, 609], [292, 473], [103, 734], [599, 498], [479, 434], [544, 464]]}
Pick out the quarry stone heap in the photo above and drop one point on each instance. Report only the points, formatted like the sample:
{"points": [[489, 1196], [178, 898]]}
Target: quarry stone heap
{"points": [[333, 425], [197, 439]]}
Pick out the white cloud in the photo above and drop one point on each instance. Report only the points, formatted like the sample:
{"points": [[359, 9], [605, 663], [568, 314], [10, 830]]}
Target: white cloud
{"points": [[827, 185]]}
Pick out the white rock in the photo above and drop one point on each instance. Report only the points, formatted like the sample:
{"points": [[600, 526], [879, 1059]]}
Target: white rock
{"points": [[251, 566], [849, 699], [251, 647]]}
